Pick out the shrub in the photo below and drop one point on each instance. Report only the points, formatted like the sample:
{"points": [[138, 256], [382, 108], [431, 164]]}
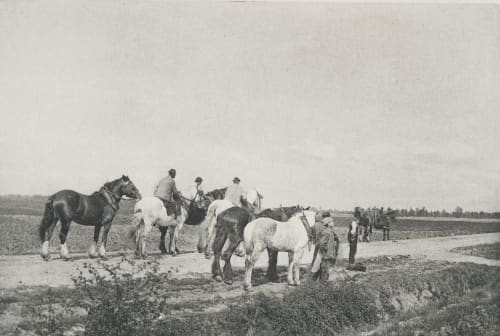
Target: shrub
{"points": [[120, 302]]}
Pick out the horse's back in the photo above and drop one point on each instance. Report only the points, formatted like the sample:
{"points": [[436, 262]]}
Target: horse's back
{"points": [[66, 195], [149, 206], [260, 229], [220, 206], [66, 201]]}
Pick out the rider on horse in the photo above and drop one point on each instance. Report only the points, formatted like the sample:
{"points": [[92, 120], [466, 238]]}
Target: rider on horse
{"points": [[235, 192], [196, 192], [168, 193]]}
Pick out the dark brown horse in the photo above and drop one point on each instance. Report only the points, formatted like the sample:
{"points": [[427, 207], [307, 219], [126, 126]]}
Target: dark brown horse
{"points": [[96, 210], [196, 212], [216, 194], [230, 226]]}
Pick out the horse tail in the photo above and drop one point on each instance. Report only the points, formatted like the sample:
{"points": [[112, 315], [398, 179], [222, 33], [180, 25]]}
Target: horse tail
{"points": [[47, 219], [202, 240], [136, 223]]}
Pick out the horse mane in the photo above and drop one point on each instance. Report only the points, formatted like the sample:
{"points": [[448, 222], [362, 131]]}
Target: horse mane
{"points": [[108, 185], [216, 192]]}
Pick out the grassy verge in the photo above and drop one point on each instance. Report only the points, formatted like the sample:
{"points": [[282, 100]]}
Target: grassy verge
{"points": [[116, 302], [488, 251]]}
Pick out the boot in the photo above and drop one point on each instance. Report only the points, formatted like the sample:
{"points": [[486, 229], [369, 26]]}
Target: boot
{"points": [[325, 274], [313, 276]]}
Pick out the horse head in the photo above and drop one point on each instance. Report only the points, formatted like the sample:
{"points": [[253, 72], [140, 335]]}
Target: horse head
{"points": [[125, 187], [291, 210], [253, 200]]}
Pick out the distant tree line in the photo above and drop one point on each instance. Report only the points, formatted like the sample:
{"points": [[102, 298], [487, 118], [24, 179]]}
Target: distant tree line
{"points": [[458, 212]]}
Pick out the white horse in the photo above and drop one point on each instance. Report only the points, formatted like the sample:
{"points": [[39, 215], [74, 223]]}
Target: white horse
{"points": [[290, 236], [206, 238], [148, 212]]}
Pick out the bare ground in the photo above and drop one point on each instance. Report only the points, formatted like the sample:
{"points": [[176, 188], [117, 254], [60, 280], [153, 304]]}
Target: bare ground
{"points": [[192, 290], [31, 270]]}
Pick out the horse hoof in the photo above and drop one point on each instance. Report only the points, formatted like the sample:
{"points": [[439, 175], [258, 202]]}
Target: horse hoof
{"points": [[92, 256], [104, 257], [228, 282], [45, 257], [247, 287], [217, 278], [292, 284]]}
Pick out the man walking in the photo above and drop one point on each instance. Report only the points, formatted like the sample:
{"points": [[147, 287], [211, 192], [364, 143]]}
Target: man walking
{"points": [[325, 249]]}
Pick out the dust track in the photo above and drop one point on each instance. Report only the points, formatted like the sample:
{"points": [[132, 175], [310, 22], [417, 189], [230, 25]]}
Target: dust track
{"points": [[31, 270]]}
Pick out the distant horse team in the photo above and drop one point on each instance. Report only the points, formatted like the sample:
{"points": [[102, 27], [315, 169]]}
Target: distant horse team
{"points": [[228, 217]]}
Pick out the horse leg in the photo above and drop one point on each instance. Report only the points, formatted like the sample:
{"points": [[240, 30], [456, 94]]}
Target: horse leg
{"points": [[291, 281], [201, 239], [220, 240], [272, 274], [296, 257], [253, 253], [63, 234], [171, 242], [163, 230], [177, 230], [203, 235], [48, 236], [210, 238], [104, 240], [93, 245], [227, 274]]}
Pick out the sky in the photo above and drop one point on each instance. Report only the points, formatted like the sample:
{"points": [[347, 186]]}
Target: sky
{"points": [[325, 104]]}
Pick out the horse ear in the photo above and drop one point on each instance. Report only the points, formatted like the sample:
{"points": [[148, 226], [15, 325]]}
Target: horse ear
{"points": [[125, 178]]}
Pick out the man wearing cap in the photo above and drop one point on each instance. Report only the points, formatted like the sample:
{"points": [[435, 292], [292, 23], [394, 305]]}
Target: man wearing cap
{"points": [[196, 192], [352, 235], [326, 247], [235, 192], [167, 192]]}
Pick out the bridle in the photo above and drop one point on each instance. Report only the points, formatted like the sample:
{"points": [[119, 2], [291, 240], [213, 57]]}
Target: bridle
{"points": [[305, 223]]}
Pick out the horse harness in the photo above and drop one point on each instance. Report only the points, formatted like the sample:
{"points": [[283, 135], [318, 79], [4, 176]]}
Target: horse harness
{"points": [[110, 200], [306, 225]]}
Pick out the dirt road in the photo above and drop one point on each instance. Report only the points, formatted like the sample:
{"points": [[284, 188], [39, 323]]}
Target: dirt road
{"points": [[31, 270]]}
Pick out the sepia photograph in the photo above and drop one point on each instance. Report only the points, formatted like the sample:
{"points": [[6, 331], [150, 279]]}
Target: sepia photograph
{"points": [[249, 168]]}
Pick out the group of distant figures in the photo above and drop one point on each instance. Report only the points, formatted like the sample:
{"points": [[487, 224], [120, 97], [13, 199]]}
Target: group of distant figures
{"points": [[377, 218]]}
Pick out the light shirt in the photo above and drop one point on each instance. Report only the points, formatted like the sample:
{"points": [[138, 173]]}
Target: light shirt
{"points": [[194, 192], [354, 227], [234, 193]]}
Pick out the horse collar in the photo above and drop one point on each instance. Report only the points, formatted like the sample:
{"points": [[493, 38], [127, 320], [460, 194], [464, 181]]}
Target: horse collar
{"points": [[111, 201]]}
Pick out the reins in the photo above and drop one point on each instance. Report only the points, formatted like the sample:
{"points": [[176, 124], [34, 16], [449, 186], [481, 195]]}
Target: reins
{"points": [[306, 225]]}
